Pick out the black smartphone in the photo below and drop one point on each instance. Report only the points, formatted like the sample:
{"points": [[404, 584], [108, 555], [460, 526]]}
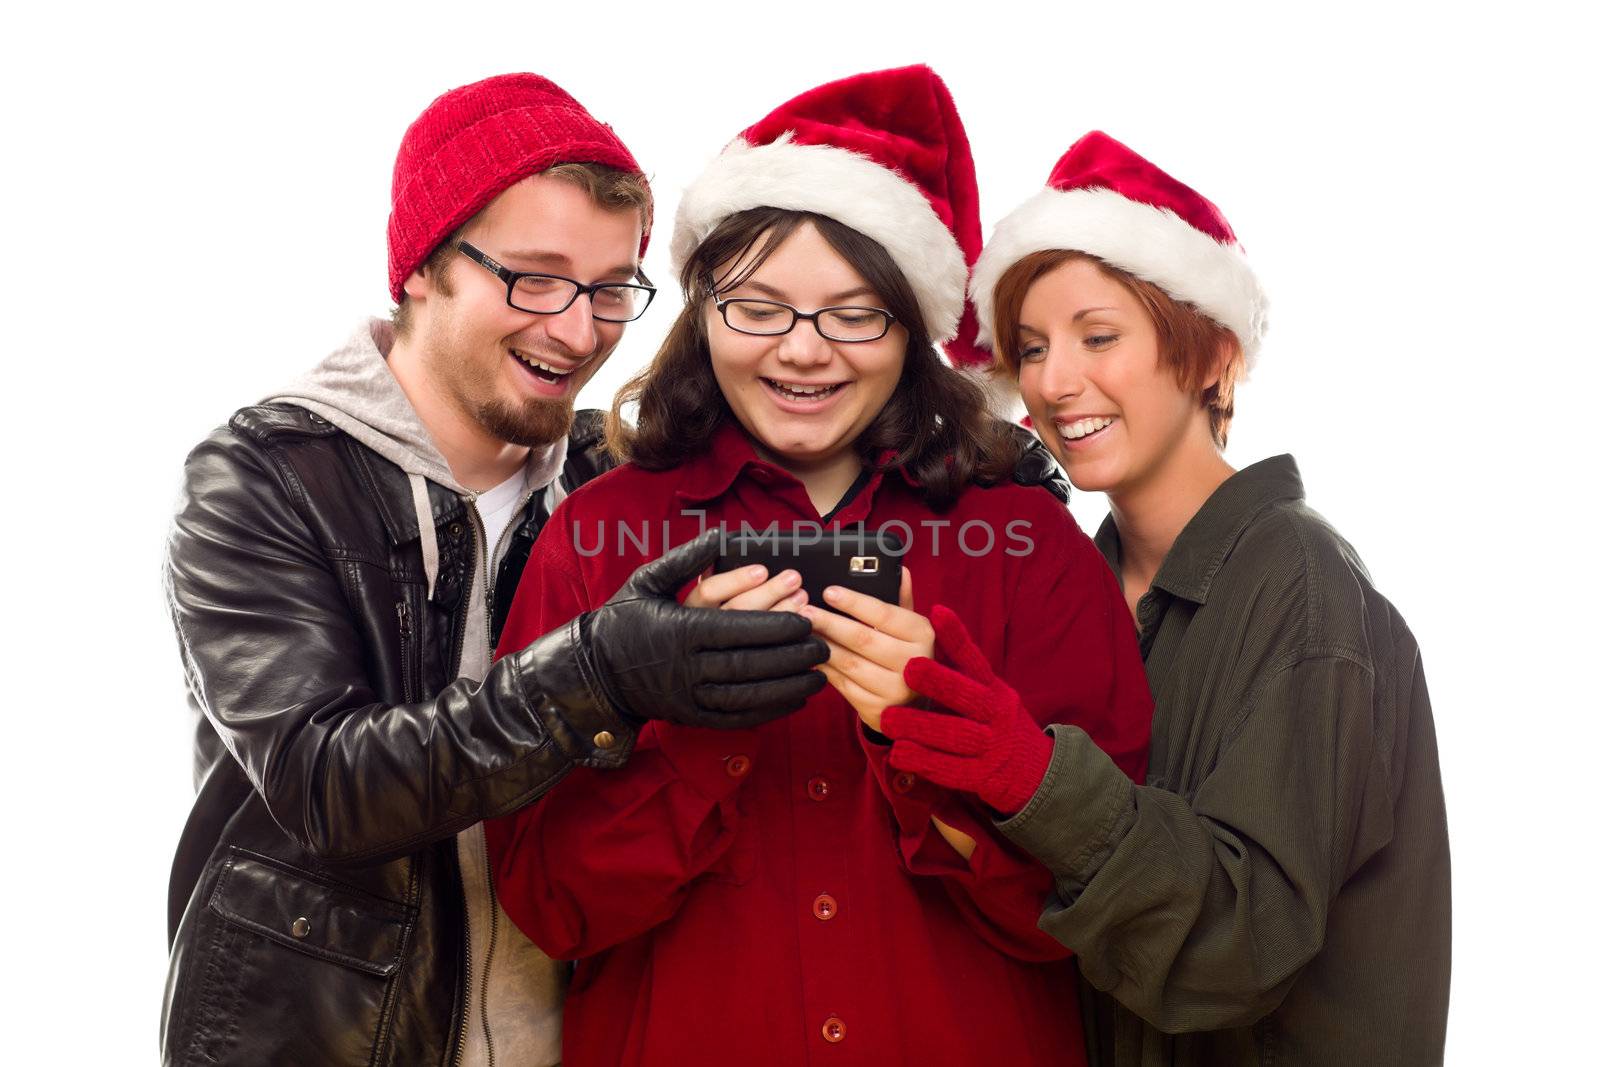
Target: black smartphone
{"points": [[867, 561]]}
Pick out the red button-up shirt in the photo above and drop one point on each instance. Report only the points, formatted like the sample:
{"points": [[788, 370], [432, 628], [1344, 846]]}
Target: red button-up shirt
{"points": [[779, 895]]}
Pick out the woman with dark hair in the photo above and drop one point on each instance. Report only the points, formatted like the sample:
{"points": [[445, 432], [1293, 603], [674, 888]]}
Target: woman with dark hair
{"points": [[1278, 892], [779, 895]]}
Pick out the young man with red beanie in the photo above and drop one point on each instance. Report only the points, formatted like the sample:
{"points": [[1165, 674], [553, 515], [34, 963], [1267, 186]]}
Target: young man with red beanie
{"points": [[338, 571]]}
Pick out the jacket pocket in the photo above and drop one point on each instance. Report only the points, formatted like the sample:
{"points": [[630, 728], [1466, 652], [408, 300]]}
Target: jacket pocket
{"points": [[298, 968], [312, 915]]}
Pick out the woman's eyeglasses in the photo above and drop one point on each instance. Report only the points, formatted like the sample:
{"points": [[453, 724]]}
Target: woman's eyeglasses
{"points": [[769, 318]]}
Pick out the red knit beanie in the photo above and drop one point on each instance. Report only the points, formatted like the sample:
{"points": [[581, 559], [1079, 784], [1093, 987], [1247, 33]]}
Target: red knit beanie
{"points": [[473, 143]]}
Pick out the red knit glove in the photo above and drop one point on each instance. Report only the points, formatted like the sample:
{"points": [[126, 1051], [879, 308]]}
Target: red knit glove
{"points": [[991, 746]]}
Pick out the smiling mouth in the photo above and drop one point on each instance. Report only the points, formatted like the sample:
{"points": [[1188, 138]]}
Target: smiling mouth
{"points": [[1083, 429], [541, 370], [803, 394]]}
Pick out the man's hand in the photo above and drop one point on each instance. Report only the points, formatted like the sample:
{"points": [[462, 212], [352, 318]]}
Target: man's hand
{"points": [[698, 666]]}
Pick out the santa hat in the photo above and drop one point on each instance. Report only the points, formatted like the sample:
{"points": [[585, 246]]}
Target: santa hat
{"points": [[1107, 200], [883, 153]]}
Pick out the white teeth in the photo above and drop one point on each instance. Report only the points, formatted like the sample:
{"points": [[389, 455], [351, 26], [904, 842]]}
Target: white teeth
{"points": [[807, 391], [541, 365], [1082, 427]]}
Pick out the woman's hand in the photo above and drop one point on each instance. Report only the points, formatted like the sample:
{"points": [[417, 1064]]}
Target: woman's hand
{"points": [[964, 843], [869, 646], [748, 589], [984, 742]]}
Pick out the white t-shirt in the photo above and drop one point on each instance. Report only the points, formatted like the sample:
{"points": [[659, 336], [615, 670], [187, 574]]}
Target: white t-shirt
{"points": [[498, 506]]}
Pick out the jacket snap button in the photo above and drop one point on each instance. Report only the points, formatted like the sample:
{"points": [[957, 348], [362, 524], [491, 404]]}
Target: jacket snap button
{"points": [[605, 739], [301, 927], [455, 529]]}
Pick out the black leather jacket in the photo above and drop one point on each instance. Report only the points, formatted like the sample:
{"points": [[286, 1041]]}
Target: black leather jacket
{"points": [[315, 912]]}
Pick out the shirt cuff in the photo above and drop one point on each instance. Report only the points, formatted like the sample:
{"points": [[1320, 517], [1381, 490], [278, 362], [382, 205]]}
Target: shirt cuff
{"points": [[1081, 809], [911, 798], [569, 702]]}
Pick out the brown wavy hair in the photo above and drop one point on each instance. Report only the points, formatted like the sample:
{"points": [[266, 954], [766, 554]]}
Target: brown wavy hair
{"points": [[1189, 343], [935, 421]]}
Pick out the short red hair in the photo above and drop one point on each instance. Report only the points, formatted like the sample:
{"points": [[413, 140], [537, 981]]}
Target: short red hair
{"points": [[1189, 342]]}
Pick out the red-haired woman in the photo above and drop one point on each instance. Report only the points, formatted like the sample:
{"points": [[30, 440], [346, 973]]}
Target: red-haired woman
{"points": [[780, 895], [1278, 892]]}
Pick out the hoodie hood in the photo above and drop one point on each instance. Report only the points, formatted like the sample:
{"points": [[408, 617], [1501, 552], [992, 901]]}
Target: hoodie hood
{"points": [[354, 389]]}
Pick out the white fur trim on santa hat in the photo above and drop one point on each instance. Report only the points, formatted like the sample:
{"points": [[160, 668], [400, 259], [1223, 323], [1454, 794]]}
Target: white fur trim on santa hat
{"points": [[1148, 242], [845, 186]]}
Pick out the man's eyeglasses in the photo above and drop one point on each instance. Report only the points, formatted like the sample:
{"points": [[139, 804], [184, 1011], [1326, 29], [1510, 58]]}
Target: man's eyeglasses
{"points": [[551, 294], [769, 318]]}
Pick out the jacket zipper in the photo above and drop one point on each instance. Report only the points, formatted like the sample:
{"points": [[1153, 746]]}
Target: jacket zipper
{"points": [[488, 959], [458, 643], [466, 944], [407, 686]]}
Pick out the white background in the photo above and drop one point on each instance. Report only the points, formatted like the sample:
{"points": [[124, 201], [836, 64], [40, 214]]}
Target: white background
{"points": [[195, 203]]}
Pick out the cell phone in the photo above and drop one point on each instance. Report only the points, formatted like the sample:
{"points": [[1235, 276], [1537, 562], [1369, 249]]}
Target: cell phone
{"points": [[867, 561]]}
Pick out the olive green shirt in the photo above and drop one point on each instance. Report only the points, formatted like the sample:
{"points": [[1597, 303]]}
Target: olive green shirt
{"points": [[1279, 890]]}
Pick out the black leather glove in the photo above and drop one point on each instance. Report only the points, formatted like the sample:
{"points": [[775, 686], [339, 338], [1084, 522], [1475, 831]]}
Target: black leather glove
{"points": [[656, 659], [1036, 466]]}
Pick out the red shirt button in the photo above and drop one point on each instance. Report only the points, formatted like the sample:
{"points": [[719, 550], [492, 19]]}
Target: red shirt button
{"points": [[833, 1030], [904, 782], [737, 766], [818, 787], [824, 907]]}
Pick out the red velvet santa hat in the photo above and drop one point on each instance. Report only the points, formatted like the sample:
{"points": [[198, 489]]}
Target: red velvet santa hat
{"points": [[884, 153], [1107, 200]]}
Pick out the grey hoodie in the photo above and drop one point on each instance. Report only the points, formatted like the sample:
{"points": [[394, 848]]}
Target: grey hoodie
{"points": [[513, 1005]]}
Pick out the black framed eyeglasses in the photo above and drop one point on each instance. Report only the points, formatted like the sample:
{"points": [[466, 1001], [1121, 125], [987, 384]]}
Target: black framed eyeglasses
{"points": [[771, 318], [551, 294]]}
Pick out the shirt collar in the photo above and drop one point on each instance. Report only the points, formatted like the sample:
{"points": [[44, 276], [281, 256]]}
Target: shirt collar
{"points": [[731, 454], [713, 472], [1208, 539]]}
